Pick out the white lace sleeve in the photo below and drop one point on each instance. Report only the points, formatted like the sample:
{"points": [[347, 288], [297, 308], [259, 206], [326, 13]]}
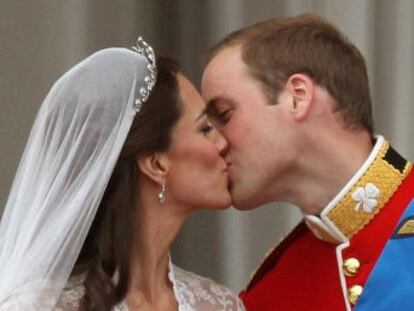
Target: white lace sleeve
{"points": [[196, 293], [69, 298]]}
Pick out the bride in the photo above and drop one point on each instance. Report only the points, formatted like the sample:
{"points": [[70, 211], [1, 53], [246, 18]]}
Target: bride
{"points": [[120, 154]]}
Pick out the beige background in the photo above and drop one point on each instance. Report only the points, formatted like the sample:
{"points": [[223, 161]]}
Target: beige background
{"points": [[41, 39]]}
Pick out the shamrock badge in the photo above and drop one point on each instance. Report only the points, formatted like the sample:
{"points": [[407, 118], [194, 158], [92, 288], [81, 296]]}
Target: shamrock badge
{"points": [[366, 197]]}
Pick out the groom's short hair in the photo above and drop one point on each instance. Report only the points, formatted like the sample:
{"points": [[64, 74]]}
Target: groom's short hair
{"points": [[274, 50]]}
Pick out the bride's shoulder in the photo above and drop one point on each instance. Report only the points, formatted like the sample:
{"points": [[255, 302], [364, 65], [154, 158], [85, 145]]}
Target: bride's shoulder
{"points": [[193, 287]]}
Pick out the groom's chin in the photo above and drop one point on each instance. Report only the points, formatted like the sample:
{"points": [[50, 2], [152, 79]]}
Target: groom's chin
{"points": [[243, 208], [242, 204], [243, 198], [246, 199]]}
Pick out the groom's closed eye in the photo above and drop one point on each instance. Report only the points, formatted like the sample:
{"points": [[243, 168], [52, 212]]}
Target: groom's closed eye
{"points": [[218, 113]]}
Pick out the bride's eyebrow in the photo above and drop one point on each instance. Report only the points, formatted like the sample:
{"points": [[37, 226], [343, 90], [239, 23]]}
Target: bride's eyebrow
{"points": [[203, 113], [208, 109]]}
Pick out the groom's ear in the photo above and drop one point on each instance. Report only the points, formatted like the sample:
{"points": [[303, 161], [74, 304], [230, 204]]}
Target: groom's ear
{"points": [[155, 166], [302, 90]]}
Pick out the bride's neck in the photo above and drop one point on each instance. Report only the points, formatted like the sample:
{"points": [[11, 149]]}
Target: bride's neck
{"points": [[156, 228]]}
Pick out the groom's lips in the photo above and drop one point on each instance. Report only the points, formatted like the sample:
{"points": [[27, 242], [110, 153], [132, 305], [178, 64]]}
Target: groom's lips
{"points": [[229, 185], [229, 169], [229, 177]]}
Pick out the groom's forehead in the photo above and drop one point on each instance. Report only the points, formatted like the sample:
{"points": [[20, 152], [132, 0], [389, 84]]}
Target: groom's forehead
{"points": [[226, 63]]}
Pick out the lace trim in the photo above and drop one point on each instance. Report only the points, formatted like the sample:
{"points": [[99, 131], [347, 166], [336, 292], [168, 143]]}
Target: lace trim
{"points": [[177, 293], [192, 292], [195, 292]]}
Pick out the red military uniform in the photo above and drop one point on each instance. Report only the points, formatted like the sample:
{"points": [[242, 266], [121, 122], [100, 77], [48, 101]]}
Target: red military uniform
{"points": [[324, 263]]}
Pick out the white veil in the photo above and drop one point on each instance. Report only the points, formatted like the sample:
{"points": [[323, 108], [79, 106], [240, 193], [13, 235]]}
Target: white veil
{"points": [[69, 157]]}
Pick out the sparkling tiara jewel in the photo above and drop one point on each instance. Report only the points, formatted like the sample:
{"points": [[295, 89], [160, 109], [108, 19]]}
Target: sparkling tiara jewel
{"points": [[149, 81]]}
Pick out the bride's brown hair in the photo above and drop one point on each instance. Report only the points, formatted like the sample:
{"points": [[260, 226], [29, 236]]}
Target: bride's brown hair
{"points": [[105, 255]]}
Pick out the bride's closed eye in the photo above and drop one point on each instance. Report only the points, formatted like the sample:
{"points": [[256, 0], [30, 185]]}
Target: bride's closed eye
{"points": [[206, 128]]}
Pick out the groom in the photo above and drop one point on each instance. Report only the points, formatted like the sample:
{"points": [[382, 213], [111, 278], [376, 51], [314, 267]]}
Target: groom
{"points": [[292, 98]]}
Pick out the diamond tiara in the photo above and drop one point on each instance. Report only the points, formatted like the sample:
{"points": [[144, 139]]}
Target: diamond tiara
{"points": [[146, 50]]}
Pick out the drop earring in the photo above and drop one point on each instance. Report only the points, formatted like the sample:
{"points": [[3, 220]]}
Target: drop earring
{"points": [[162, 193], [294, 105]]}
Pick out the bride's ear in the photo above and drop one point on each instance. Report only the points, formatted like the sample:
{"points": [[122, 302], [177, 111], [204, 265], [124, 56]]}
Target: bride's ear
{"points": [[155, 166]]}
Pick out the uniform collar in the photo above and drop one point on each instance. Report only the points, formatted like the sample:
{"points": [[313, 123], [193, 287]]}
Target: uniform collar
{"points": [[363, 197]]}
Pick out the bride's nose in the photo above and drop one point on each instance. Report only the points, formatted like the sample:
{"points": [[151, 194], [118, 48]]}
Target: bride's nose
{"points": [[221, 142]]}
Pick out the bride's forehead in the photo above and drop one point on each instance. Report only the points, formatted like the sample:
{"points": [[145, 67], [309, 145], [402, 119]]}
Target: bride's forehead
{"points": [[189, 95]]}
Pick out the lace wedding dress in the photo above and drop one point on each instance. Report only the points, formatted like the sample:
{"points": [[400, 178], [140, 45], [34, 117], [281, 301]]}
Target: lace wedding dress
{"points": [[192, 292], [70, 156]]}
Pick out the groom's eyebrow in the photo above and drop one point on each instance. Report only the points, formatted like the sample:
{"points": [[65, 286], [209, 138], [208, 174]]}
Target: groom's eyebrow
{"points": [[210, 108]]}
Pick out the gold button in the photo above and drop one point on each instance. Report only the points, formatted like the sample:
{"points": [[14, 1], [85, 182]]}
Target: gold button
{"points": [[351, 267], [354, 292]]}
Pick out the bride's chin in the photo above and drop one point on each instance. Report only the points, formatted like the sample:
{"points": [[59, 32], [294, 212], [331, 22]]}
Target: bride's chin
{"points": [[226, 203], [221, 203]]}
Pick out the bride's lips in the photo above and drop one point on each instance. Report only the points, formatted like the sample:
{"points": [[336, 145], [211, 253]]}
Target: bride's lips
{"points": [[226, 174], [226, 166]]}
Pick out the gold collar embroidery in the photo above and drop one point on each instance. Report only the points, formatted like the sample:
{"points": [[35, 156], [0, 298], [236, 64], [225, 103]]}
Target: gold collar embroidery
{"points": [[363, 197]]}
